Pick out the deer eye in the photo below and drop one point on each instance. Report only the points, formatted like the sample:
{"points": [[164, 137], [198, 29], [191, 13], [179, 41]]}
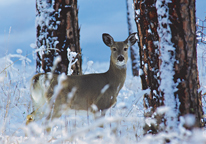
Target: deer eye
{"points": [[114, 49], [125, 49]]}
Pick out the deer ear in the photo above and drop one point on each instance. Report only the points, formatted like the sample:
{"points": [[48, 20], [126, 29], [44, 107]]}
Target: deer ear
{"points": [[131, 40], [107, 39]]}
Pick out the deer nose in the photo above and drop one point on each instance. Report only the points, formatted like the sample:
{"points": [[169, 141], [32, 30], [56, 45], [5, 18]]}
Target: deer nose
{"points": [[120, 58]]}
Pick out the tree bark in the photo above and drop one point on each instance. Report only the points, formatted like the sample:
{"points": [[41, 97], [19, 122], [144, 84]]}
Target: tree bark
{"points": [[169, 42], [146, 21], [57, 30], [186, 74], [133, 49]]}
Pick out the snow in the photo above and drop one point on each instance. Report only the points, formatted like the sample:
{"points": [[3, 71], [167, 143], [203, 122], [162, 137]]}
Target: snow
{"points": [[71, 57], [121, 105], [131, 15], [189, 120], [57, 60], [58, 88], [144, 47], [33, 45], [137, 37], [19, 51], [94, 107], [167, 85], [71, 94], [90, 63], [141, 72], [138, 12], [149, 31], [46, 21], [79, 128], [123, 122], [104, 88]]}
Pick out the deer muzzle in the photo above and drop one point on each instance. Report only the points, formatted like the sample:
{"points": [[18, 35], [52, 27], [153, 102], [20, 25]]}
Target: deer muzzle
{"points": [[120, 58]]}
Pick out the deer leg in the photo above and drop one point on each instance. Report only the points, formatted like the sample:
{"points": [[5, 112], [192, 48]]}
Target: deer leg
{"points": [[55, 112]]}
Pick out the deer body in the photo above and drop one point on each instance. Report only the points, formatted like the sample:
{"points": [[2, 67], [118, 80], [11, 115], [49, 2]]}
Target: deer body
{"points": [[84, 91]]}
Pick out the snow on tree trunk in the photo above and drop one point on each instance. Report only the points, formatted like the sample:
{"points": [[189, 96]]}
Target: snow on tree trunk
{"points": [[72, 33], [134, 50], [57, 30], [186, 74], [168, 61], [146, 21]]}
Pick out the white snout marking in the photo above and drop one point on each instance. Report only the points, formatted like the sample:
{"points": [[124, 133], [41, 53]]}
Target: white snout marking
{"points": [[120, 63]]}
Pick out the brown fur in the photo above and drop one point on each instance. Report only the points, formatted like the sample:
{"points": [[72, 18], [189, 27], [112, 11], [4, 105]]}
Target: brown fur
{"points": [[81, 92]]}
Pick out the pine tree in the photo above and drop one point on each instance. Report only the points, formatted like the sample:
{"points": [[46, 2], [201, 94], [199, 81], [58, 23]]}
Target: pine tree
{"points": [[168, 58], [57, 30]]}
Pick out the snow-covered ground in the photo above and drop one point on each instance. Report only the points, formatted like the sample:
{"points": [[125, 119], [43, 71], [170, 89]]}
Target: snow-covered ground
{"points": [[123, 123]]}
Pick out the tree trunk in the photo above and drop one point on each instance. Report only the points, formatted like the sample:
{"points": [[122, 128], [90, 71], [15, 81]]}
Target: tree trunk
{"points": [[57, 30], [167, 41], [134, 50], [186, 74], [146, 20]]}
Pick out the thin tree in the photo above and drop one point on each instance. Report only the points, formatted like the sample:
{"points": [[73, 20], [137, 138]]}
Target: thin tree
{"points": [[57, 30], [168, 59], [133, 49]]}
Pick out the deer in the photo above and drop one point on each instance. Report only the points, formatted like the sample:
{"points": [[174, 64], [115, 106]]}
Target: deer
{"points": [[90, 92]]}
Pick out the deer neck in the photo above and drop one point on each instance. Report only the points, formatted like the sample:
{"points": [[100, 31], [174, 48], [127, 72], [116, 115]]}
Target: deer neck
{"points": [[117, 74]]}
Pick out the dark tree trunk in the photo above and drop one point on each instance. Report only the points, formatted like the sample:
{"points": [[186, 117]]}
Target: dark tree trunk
{"points": [[186, 74], [167, 41], [57, 30], [72, 33], [146, 20]]}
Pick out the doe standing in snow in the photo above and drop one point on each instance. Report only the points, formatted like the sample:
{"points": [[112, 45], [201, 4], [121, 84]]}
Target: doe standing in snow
{"points": [[93, 92]]}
